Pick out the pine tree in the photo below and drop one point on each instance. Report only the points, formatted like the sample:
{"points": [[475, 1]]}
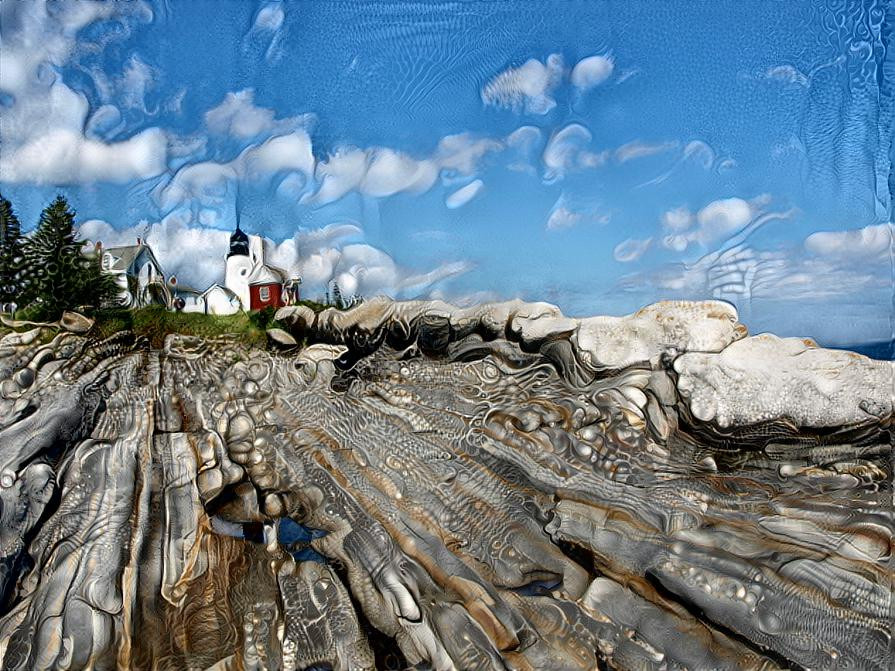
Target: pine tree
{"points": [[11, 260], [58, 275], [338, 301]]}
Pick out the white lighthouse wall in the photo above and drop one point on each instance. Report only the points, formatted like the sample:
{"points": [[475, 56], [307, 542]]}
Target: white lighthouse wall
{"points": [[236, 278]]}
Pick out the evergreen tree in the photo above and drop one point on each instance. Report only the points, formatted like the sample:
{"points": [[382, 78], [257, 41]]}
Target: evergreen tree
{"points": [[338, 301], [11, 260], [58, 275]]}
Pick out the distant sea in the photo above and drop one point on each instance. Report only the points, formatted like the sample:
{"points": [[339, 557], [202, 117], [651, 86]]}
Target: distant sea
{"points": [[883, 350]]}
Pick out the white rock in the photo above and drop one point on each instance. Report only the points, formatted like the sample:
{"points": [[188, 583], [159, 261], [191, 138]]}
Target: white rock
{"points": [[766, 378]]}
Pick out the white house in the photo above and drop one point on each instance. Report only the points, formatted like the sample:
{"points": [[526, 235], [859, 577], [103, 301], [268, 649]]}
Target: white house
{"points": [[137, 273], [218, 300]]}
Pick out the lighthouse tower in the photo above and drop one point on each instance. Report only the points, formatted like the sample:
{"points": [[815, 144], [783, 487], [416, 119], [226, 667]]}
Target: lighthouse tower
{"points": [[240, 265], [256, 284]]}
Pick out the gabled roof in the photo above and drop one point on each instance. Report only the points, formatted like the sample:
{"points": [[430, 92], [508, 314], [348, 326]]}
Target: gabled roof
{"points": [[183, 289], [264, 274], [226, 291], [125, 256]]}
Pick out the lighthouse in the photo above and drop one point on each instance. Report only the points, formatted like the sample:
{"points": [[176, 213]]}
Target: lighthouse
{"points": [[256, 284]]}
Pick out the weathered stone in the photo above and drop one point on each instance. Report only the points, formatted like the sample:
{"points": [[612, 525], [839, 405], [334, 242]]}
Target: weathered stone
{"points": [[490, 487]]}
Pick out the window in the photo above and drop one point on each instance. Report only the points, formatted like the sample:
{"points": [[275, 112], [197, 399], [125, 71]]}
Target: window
{"points": [[264, 293], [107, 261]]}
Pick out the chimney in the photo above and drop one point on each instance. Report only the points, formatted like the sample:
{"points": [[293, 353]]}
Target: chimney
{"points": [[139, 241], [98, 246]]}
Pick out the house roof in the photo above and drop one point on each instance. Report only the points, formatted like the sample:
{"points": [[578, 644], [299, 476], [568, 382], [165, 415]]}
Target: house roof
{"points": [[226, 291], [183, 289], [126, 256], [264, 274]]}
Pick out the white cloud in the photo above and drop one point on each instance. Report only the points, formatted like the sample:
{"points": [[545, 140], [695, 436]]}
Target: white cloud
{"points": [[677, 220], [786, 74], [524, 144], [33, 36], [62, 156], [42, 132], [382, 172], [870, 242], [270, 17], [138, 78], [591, 71], [389, 172], [631, 249], [104, 122], [464, 194], [196, 255], [717, 220], [209, 183], [562, 217], [239, 117], [462, 153], [526, 88], [565, 215], [640, 149], [566, 152]]}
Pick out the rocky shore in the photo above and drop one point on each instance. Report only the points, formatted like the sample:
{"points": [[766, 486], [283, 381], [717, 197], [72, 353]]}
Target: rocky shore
{"points": [[480, 488]]}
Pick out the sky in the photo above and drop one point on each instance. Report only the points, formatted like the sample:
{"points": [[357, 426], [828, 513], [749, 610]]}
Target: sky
{"points": [[595, 155]]}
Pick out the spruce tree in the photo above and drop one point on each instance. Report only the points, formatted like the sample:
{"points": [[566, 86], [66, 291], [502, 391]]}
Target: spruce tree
{"points": [[11, 260], [338, 301], [59, 276]]}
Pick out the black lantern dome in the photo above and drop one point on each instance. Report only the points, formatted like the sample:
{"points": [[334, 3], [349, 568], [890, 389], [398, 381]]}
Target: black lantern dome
{"points": [[239, 243]]}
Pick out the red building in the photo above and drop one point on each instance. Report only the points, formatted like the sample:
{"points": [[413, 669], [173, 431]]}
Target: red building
{"points": [[265, 295], [265, 288]]}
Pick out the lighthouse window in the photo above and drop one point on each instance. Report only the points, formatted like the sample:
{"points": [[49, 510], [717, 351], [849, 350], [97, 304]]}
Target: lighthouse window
{"points": [[264, 293]]}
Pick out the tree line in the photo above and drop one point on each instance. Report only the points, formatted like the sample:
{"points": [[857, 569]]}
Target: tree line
{"points": [[48, 271]]}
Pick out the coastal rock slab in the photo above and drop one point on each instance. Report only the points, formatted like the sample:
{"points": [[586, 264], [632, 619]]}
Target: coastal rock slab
{"points": [[426, 486], [766, 378]]}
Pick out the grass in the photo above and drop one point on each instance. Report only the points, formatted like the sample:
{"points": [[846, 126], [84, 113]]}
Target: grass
{"points": [[155, 322]]}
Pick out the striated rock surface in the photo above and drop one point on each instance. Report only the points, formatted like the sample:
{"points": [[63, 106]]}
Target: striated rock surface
{"points": [[496, 487]]}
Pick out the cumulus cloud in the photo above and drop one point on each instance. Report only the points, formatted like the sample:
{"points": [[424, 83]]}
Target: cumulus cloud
{"points": [[527, 88], [239, 117], [715, 221], [530, 87], [565, 214], [631, 249], [211, 183], [34, 36], [591, 71], [382, 172], [196, 255], [464, 194], [63, 156], [524, 144], [741, 273], [871, 242], [42, 131], [567, 151]]}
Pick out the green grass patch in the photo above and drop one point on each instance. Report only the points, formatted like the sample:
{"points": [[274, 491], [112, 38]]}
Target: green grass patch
{"points": [[155, 323]]}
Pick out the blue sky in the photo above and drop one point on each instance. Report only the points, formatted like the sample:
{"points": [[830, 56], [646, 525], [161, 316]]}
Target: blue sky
{"points": [[599, 156]]}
